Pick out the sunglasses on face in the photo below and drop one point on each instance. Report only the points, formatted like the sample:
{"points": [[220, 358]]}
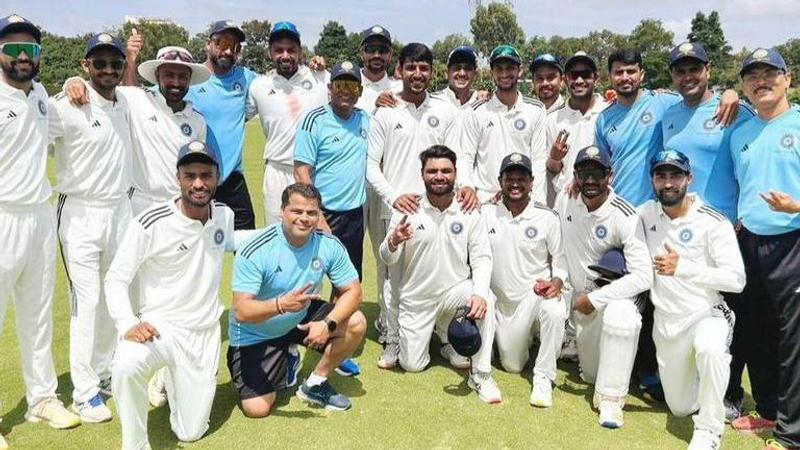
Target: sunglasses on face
{"points": [[573, 75], [226, 44], [346, 86], [376, 48], [101, 64], [595, 173], [176, 55], [14, 49]]}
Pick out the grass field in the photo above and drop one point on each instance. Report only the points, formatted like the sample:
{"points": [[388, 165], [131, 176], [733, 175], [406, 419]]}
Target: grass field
{"points": [[434, 409]]}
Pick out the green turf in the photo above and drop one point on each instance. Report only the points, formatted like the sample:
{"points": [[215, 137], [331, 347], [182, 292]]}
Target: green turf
{"points": [[433, 409]]}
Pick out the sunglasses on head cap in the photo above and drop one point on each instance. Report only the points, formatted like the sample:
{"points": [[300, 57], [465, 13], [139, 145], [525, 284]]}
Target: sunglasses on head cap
{"points": [[176, 55]]}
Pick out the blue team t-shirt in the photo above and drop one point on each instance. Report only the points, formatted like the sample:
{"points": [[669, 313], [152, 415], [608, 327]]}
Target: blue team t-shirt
{"points": [[693, 131], [222, 101], [766, 156], [336, 149], [633, 135], [267, 265]]}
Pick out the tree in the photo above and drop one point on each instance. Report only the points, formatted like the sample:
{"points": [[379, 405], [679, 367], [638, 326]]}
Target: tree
{"points": [[495, 25], [790, 50], [441, 49], [707, 31], [197, 46], [60, 60], [335, 45], [654, 42], [156, 35], [254, 53]]}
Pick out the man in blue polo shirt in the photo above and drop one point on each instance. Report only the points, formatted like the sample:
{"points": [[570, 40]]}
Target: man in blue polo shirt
{"points": [[277, 279], [766, 161], [222, 100], [330, 152]]}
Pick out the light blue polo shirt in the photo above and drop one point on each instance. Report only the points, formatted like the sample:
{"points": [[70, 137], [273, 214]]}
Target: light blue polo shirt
{"points": [[633, 135], [267, 265], [222, 101], [766, 156], [336, 149], [693, 131]]}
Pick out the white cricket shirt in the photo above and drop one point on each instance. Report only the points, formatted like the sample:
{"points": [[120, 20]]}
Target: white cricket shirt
{"points": [[372, 89], [558, 104], [448, 94]]}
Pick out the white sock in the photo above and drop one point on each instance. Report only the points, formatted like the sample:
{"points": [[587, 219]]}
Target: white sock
{"points": [[315, 380]]}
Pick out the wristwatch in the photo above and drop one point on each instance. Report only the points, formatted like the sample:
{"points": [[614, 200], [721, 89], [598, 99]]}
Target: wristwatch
{"points": [[330, 323]]}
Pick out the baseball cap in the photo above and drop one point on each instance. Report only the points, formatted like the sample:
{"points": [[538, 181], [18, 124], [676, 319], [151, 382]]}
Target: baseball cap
{"points": [[226, 25], [593, 153], [611, 265], [463, 54], [516, 160], [196, 151], [770, 57], [546, 59], [15, 23], [284, 30], [672, 158], [463, 334], [346, 69], [580, 56], [376, 31], [505, 52], [174, 55], [688, 50], [104, 40]]}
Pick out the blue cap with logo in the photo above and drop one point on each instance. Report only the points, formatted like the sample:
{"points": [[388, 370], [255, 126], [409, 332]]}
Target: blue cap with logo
{"points": [[463, 334], [14, 23], [669, 157], [546, 59], [346, 69], [226, 25], [284, 30], [770, 57], [376, 31], [104, 40], [516, 160], [505, 52], [463, 54], [580, 56], [593, 153], [688, 50], [611, 265], [196, 151]]}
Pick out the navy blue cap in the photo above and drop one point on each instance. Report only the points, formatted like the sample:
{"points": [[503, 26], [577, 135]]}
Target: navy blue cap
{"points": [[284, 30], [580, 56], [346, 69], [376, 31], [770, 57], [226, 25], [516, 160], [593, 153], [196, 151], [672, 158], [104, 40], [14, 23], [546, 59], [688, 50], [505, 52], [611, 265], [463, 334], [463, 54]]}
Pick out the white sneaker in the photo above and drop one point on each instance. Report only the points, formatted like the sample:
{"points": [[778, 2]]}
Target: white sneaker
{"points": [[486, 387], [569, 351], [3, 443], [704, 440], [391, 353], [542, 392], [457, 361], [610, 414], [53, 412], [92, 411], [157, 389]]}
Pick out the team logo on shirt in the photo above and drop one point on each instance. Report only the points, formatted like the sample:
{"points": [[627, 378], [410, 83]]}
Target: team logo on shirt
{"points": [[237, 87], [316, 264], [519, 124], [788, 140], [363, 133], [601, 232], [186, 129], [433, 121], [710, 124], [685, 235], [456, 228], [219, 236], [307, 85], [42, 107], [531, 232], [646, 118]]}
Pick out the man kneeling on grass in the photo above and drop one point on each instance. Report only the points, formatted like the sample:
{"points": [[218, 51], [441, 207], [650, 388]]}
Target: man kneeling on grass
{"points": [[276, 302]]}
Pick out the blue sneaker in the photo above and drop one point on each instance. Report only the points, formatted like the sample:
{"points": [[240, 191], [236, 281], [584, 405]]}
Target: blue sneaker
{"points": [[292, 366], [324, 395], [348, 368]]}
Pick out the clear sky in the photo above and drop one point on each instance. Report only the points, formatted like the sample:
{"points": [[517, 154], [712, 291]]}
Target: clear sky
{"points": [[750, 23]]}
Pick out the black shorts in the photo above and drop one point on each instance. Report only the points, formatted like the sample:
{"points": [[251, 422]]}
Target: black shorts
{"points": [[260, 369], [348, 226], [233, 192]]}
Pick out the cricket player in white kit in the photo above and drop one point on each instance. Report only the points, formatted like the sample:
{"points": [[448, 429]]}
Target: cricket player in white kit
{"points": [[27, 268], [446, 262], [525, 236], [176, 251], [92, 147], [608, 320], [696, 257]]}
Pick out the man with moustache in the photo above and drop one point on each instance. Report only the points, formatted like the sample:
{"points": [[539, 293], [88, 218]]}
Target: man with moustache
{"points": [[26, 216], [548, 78], [92, 148], [695, 258]]}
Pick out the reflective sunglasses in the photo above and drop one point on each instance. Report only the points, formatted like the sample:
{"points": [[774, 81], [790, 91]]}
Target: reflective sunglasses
{"points": [[346, 86], [175, 55], [227, 44], [13, 49], [573, 75], [594, 172], [376, 48], [101, 64]]}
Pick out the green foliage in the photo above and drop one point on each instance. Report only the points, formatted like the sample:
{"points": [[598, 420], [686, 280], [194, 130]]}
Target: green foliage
{"points": [[254, 54], [336, 46], [60, 60], [156, 35], [441, 49], [495, 25], [707, 30], [790, 50]]}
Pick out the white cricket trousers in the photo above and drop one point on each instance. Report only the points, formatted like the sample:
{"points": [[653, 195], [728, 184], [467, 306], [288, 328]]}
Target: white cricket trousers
{"points": [[90, 233], [27, 272], [192, 360], [276, 178], [607, 341], [417, 319], [388, 277], [516, 327], [694, 368]]}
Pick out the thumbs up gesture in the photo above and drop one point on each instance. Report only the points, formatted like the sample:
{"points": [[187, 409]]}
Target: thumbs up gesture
{"points": [[667, 263], [134, 46]]}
